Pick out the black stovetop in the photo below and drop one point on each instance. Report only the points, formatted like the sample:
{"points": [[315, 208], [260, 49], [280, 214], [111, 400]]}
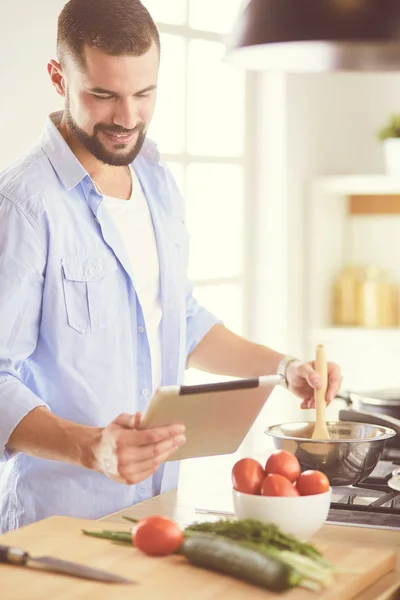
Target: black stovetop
{"points": [[371, 503]]}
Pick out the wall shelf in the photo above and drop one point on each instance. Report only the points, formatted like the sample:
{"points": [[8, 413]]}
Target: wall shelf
{"points": [[373, 204], [360, 333], [366, 194], [349, 185], [352, 219]]}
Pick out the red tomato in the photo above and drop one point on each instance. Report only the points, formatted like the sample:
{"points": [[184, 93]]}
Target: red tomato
{"points": [[277, 485], [312, 482], [282, 462], [247, 476], [157, 536]]}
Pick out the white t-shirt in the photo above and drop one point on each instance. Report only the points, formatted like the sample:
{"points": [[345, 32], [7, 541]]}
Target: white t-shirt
{"points": [[133, 221]]}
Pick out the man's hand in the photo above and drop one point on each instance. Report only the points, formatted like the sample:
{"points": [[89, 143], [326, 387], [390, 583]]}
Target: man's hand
{"points": [[303, 380], [129, 455]]}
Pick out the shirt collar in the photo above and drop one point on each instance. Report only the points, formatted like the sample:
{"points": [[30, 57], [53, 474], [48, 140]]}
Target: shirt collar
{"points": [[66, 165], [150, 150]]}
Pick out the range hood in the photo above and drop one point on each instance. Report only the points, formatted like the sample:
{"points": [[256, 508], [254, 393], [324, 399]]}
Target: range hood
{"points": [[317, 35]]}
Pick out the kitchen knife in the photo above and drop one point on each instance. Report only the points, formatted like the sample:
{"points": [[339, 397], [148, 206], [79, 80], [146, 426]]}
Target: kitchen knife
{"points": [[16, 556]]}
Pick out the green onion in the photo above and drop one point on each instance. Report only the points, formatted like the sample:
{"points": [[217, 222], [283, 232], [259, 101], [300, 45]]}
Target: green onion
{"points": [[120, 536]]}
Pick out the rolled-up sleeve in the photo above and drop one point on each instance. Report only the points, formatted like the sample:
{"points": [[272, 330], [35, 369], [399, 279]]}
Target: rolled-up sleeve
{"points": [[22, 267]]}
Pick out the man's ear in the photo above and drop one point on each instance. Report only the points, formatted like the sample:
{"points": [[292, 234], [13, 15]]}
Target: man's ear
{"points": [[55, 71]]}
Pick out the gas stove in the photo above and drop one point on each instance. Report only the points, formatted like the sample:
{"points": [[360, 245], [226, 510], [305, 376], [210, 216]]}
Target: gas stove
{"points": [[371, 503]]}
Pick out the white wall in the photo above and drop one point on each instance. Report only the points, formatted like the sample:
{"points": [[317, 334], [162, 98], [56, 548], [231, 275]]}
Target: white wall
{"points": [[328, 124], [309, 125], [27, 42]]}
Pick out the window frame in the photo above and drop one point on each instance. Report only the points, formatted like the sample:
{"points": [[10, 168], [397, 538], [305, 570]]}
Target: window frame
{"points": [[246, 161]]}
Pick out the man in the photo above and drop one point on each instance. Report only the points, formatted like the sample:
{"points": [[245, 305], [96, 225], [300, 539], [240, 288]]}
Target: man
{"points": [[95, 308]]}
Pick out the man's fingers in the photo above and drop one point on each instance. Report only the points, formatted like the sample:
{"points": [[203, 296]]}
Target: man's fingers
{"points": [[136, 463], [306, 373], [131, 477], [136, 420], [139, 454], [133, 473], [308, 402], [124, 420], [128, 420], [310, 375], [158, 434], [334, 381]]}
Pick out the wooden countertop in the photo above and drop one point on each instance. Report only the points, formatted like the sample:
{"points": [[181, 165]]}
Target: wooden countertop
{"points": [[186, 506], [61, 537]]}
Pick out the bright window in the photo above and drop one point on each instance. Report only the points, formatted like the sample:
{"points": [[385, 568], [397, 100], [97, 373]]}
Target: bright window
{"points": [[212, 15], [214, 217], [200, 129], [167, 11], [215, 102], [168, 126]]}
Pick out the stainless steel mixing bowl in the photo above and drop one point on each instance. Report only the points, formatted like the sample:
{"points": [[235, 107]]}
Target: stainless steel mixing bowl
{"points": [[347, 458]]}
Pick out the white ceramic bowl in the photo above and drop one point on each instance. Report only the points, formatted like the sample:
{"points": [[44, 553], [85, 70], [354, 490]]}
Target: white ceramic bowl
{"points": [[301, 516]]}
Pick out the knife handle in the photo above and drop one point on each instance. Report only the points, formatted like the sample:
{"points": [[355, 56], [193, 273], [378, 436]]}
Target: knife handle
{"points": [[14, 556]]}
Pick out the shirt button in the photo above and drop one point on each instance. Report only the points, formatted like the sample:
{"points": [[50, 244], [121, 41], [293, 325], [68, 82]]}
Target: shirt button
{"points": [[92, 270], [145, 392], [141, 329]]}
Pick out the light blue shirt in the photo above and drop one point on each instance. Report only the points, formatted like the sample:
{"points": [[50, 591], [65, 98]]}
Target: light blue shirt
{"points": [[72, 331]]}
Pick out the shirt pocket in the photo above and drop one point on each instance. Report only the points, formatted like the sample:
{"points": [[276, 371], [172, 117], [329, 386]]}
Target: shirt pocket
{"points": [[92, 291]]}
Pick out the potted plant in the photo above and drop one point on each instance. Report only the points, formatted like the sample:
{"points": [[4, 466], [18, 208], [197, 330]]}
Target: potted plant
{"points": [[390, 136]]}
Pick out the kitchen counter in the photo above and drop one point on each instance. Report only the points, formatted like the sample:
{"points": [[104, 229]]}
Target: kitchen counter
{"points": [[169, 578], [186, 506]]}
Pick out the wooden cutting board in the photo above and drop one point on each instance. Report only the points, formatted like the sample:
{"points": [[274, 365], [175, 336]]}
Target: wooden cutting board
{"points": [[170, 578]]}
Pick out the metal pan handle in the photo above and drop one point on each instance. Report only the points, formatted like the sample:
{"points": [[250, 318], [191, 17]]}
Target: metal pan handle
{"points": [[371, 418], [343, 395]]}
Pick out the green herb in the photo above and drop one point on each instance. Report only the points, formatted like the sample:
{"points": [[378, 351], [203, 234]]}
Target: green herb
{"points": [[116, 536], [249, 530], [131, 519], [267, 535], [305, 560], [392, 128]]}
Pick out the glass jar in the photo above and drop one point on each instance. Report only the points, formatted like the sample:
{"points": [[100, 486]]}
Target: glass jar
{"points": [[346, 302], [376, 298]]}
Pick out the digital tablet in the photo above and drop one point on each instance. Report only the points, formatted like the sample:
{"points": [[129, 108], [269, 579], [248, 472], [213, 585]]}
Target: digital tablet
{"points": [[217, 416]]}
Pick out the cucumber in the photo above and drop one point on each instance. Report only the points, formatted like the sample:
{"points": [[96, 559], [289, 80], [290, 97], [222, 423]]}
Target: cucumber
{"points": [[231, 558]]}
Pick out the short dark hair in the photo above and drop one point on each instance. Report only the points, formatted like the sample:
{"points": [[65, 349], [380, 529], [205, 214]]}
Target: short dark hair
{"points": [[118, 27]]}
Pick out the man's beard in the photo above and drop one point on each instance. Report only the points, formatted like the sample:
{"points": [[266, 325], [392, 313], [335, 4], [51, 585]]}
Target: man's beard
{"points": [[95, 147]]}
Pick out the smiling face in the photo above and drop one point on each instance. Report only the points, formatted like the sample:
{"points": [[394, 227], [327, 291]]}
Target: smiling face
{"points": [[109, 102]]}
